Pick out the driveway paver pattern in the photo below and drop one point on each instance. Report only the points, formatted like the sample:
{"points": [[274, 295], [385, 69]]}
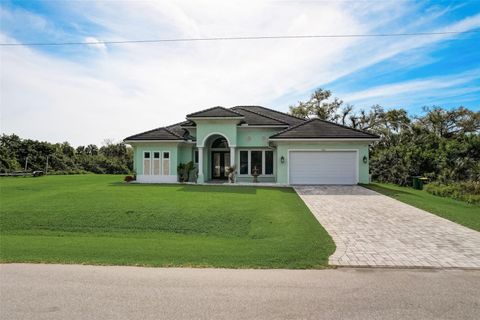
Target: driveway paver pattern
{"points": [[370, 229]]}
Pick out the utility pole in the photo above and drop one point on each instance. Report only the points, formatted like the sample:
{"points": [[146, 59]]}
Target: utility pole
{"points": [[26, 163], [46, 166]]}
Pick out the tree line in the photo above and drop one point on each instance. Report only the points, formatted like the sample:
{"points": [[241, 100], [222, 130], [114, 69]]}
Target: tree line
{"points": [[17, 154], [441, 144]]}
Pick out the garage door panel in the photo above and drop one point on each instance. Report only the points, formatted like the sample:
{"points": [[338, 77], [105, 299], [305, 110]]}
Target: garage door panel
{"points": [[323, 167]]}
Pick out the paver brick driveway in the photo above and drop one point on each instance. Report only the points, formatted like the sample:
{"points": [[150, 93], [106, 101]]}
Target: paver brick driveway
{"points": [[371, 229]]}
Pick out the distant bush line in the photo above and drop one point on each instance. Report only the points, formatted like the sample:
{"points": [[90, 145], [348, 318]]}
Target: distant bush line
{"points": [[468, 191], [16, 153]]}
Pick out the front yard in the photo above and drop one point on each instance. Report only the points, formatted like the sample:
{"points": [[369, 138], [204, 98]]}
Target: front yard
{"points": [[457, 211], [96, 219]]}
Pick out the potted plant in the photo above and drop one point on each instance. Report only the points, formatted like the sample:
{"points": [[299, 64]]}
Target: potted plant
{"points": [[255, 174], [231, 173]]}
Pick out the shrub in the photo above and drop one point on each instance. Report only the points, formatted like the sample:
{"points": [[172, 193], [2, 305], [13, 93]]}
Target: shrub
{"points": [[129, 179], [468, 191]]}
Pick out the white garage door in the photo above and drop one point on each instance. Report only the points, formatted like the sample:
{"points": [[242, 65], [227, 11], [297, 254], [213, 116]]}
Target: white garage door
{"points": [[323, 167]]}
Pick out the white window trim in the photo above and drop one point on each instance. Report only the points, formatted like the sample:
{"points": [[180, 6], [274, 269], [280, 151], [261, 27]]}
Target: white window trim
{"points": [[143, 163], [249, 159], [152, 159], [161, 164], [152, 166]]}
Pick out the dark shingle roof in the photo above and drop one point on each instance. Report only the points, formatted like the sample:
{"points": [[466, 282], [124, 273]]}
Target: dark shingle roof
{"points": [[255, 118], [255, 115], [163, 133], [178, 129], [321, 129], [284, 117], [188, 123], [215, 112]]}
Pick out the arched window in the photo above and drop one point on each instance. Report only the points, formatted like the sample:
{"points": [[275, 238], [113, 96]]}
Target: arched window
{"points": [[220, 143]]}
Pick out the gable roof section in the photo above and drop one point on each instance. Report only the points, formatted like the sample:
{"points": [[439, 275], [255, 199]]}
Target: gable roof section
{"points": [[178, 129], [256, 119], [321, 129], [215, 112], [163, 133], [281, 116]]}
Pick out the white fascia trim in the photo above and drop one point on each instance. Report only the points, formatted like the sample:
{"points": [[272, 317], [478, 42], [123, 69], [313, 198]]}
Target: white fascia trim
{"points": [[255, 126], [325, 139], [146, 141], [216, 118]]}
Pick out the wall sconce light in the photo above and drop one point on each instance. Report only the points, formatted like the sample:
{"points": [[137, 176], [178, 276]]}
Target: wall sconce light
{"points": [[365, 159], [282, 159]]}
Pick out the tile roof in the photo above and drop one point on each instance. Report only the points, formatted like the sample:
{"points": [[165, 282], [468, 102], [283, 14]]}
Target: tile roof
{"points": [[281, 116], [163, 133], [215, 112], [296, 128], [178, 129], [321, 129], [255, 118]]}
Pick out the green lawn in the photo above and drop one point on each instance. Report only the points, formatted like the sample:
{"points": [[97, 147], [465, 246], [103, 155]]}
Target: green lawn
{"points": [[97, 219], [460, 212]]}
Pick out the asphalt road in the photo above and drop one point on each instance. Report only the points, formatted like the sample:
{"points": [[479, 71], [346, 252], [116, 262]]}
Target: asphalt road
{"points": [[29, 291]]}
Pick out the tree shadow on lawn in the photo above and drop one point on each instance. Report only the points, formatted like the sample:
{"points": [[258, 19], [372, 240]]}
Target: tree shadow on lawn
{"points": [[388, 191], [219, 189], [238, 189]]}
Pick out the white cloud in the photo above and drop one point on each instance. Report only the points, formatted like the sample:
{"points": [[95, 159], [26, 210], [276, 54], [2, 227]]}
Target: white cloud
{"points": [[125, 89], [421, 91], [95, 43]]}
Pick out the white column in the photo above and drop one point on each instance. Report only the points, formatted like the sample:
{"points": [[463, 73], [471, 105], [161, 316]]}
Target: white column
{"points": [[201, 178], [232, 156]]}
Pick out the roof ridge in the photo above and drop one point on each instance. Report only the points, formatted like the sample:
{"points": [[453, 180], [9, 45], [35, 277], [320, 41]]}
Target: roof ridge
{"points": [[293, 127], [324, 121], [148, 131], [346, 127], [260, 114], [159, 128], [284, 113], [205, 110], [170, 131], [176, 124]]}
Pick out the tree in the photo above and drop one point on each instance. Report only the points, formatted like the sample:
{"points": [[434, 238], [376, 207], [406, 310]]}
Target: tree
{"points": [[318, 106], [446, 123], [443, 144], [62, 157]]}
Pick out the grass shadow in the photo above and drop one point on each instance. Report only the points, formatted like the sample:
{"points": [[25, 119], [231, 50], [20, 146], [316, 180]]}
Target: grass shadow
{"points": [[388, 191], [219, 189]]}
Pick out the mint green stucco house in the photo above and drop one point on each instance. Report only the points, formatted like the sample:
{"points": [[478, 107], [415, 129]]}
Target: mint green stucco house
{"points": [[280, 148]]}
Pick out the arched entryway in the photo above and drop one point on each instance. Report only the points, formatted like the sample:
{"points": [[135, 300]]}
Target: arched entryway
{"points": [[216, 155], [219, 158]]}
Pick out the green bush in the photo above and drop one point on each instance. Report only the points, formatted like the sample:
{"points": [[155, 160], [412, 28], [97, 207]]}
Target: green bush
{"points": [[468, 191]]}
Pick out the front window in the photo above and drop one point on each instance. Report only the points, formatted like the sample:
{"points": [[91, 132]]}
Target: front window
{"points": [[256, 162], [268, 162], [243, 162], [261, 160], [166, 164]]}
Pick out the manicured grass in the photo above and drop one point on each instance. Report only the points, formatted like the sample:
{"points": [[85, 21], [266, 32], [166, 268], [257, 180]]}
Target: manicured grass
{"points": [[97, 219], [460, 212]]}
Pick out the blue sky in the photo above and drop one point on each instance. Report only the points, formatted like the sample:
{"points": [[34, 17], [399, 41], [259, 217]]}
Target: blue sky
{"points": [[85, 93]]}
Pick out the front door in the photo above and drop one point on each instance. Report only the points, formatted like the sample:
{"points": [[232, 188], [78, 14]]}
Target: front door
{"points": [[220, 164]]}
